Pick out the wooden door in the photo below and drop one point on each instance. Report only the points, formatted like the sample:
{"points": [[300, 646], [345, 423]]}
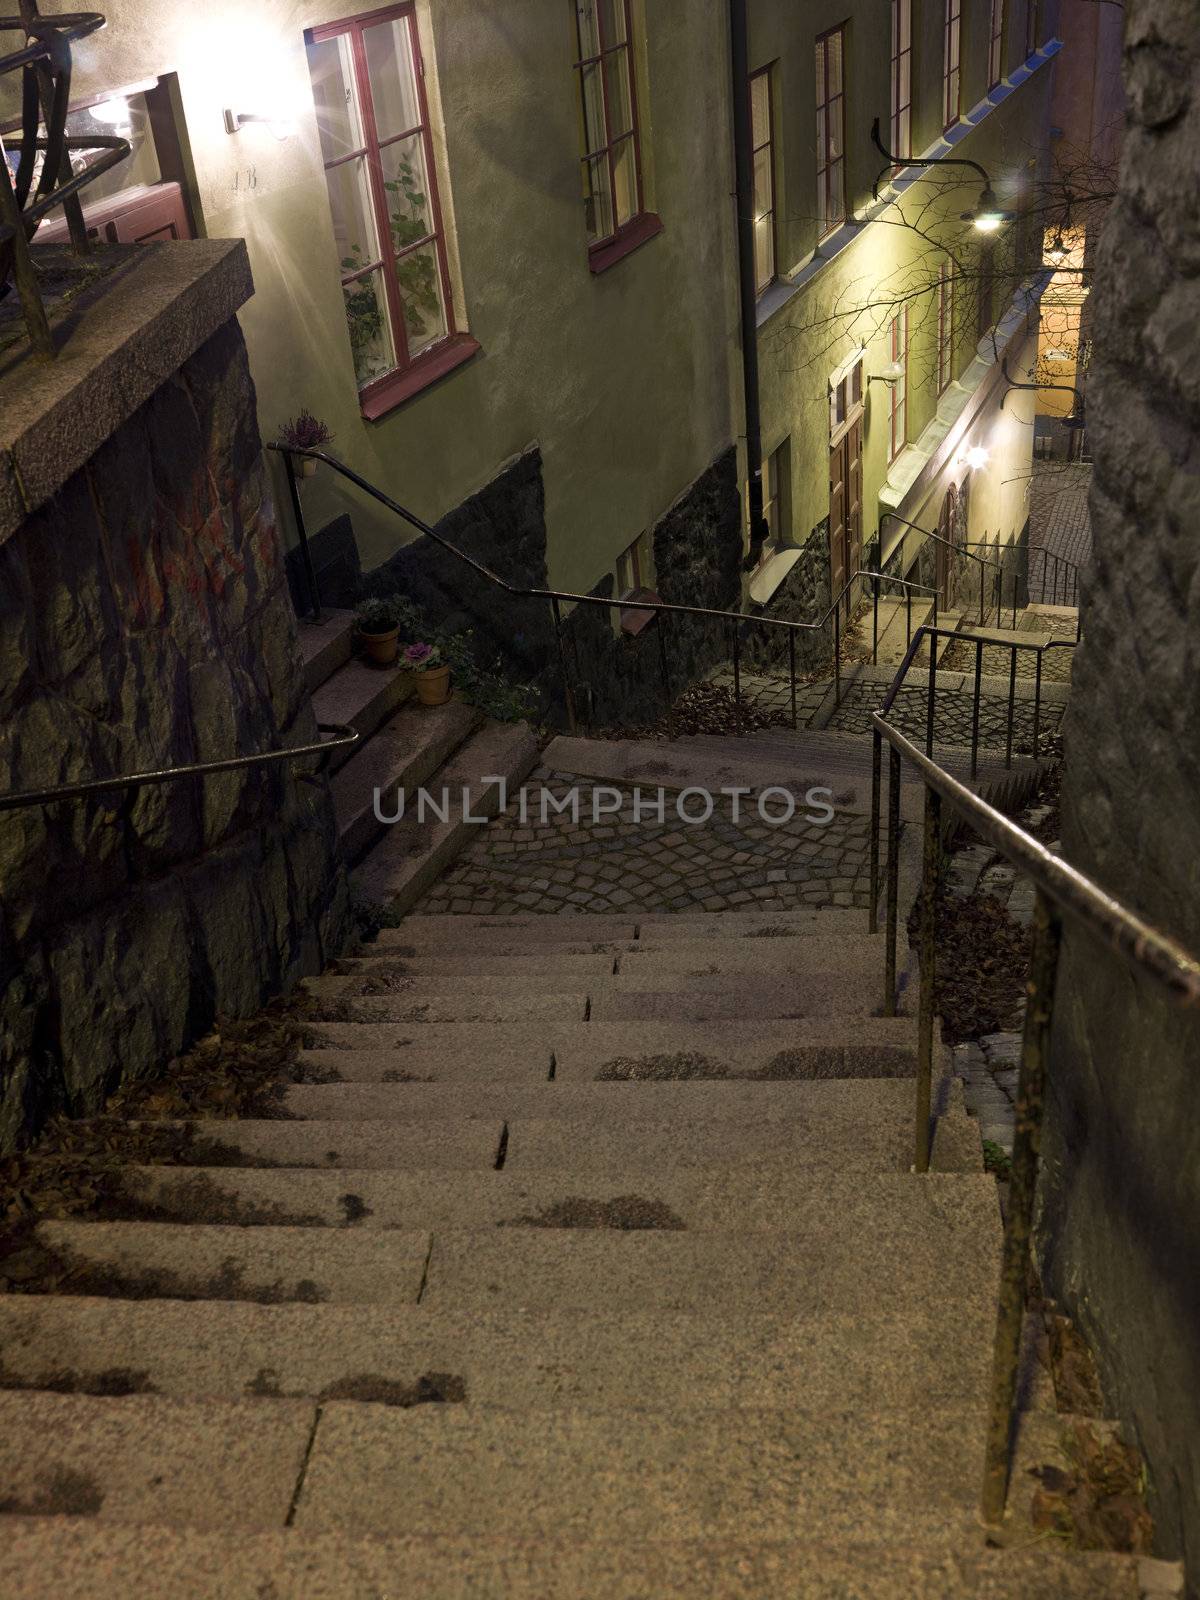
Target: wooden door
{"points": [[845, 511], [948, 527]]}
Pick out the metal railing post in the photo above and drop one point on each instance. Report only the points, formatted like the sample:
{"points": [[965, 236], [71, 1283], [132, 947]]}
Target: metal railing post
{"points": [[876, 798], [932, 711], [928, 956], [310, 576], [982, 581], [665, 674], [791, 633], [1037, 704], [737, 679], [875, 627], [837, 655], [975, 707], [568, 689], [893, 883], [1031, 1085], [1012, 707]]}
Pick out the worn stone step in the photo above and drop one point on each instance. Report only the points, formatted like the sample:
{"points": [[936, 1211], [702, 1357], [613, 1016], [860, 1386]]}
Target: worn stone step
{"points": [[325, 645], [668, 997], [870, 1047], [362, 697], [571, 966], [580, 930], [410, 856], [748, 1475], [459, 1000], [163, 1260], [401, 756], [640, 1360], [281, 1143], [148, 1458], [67, 1559], [762, 1197]]}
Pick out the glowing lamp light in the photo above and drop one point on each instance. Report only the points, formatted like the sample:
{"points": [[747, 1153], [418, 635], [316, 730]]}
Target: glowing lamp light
{"points": [[987, 215], [113, 113], [976, 457]]}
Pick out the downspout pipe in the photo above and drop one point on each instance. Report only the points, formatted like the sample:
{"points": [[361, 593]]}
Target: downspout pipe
{"points": [[743, 150]]}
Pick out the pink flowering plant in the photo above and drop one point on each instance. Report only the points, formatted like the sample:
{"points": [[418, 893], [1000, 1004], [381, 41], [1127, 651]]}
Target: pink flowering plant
{"points": [[422, 657]]}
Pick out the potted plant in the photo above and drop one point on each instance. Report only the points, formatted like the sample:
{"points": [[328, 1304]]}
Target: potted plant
{"points": [[433, 674], [305, 432], [379, 630]]}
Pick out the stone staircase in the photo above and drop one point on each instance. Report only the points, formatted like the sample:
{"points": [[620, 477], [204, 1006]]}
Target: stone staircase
{"points": [[583, 1260]]}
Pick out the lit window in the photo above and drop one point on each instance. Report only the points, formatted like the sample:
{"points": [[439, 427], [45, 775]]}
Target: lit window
{"points": [[898, 406], [901, 140], [845, 397], [831, 131], [951, 65], [996, 44], [762, 136], [945, 326], [375, 143], [633, 568], [608, 119]]}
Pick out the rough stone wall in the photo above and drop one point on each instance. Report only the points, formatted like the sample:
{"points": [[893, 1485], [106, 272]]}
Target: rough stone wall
{"points": [[803, 596], [697, 553], [145, 622], [1120, 1224]]}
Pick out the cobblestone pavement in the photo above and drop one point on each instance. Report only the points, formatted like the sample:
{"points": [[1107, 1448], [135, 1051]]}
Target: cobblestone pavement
{"points": [[775, 693], [953, 712], [619, 864], [1059, 520], [1056, 664]]}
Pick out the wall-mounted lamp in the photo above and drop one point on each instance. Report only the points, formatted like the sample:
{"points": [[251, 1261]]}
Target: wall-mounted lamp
{"points": [[281, 127], [892, 373], [987, 215], [1078, 417], [976, 458], [1057, 252]]}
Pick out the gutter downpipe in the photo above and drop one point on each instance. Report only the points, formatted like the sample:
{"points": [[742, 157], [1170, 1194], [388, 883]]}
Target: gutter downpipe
{"points": [[743, 150]]}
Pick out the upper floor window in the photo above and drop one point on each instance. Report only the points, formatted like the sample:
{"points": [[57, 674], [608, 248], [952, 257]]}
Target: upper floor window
{"points": [[996, 44], [945, 326], [373, 124], [1033, 26], [901, 140], [831, 131], [952, 65], [763, 139], [608, 127], [777, 479], [898, 405]]}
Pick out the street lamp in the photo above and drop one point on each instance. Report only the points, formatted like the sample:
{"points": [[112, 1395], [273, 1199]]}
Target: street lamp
{"points": [[1078, 417], [987, 215]]}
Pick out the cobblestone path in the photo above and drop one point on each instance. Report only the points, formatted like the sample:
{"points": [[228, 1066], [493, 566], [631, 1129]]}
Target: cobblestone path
{"points": [[954, 715], [1059, 521], [1056, 664]]}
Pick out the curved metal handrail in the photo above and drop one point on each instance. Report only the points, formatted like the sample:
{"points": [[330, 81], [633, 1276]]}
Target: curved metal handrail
{"points": [[958, 549], [343, 737]]}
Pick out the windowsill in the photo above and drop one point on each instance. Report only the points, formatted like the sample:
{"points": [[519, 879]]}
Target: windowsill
{"points": [[387, 393], [603, 256]]}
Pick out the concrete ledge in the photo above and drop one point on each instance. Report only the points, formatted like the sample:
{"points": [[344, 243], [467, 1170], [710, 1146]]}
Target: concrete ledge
{"points": [[142, 321]]}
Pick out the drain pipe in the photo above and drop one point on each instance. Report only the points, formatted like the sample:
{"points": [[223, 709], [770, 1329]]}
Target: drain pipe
{"points": [[743, 150]]}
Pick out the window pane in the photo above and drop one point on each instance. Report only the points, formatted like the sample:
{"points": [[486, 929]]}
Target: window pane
{"points": [[612, 22], [835, 131], [353, 218], [833, 46], [763, 199], [370, 339], [338, 122], [760, 107], [597, 198], [905, 24], [407, 189], [625, 169], [764, 251], [421, 293], [393, 81], [837, 199], [620, 108], [822, 155], [585, 23], [594, 137], [905, 80]]}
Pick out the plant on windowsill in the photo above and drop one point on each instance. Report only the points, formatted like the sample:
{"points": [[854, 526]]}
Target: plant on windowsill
{"points": [[379, 630], [433, 674], [305, 432], [415, 273]]}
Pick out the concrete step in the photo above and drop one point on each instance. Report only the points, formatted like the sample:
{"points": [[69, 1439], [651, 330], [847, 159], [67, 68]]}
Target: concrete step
{"points": [[147, 1458], [673, 1361], [581, 932], [325, 646], [399, 1146], [465, 1000], [758, 1197], [71, 1559], [576, 964], [162, 1260], [750, 1475], [411, 855], [401, 756], [361, 696], [504, 1052]]}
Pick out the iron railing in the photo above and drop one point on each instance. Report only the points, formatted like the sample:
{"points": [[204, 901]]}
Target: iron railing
{"points": [[45, 66], [1062, 579], [342, 738], [1062, 893], [735, 622], [959, 550]]}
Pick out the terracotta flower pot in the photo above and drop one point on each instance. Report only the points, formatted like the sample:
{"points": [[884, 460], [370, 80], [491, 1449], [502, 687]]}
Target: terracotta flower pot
{"points": [[433, 687], [381, 648]]}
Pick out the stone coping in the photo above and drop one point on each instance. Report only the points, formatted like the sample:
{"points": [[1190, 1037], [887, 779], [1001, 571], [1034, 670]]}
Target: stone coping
{"points": [[118, 343]]}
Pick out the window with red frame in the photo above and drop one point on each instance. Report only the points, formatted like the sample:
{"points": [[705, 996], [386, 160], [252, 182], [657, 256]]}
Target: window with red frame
{"points": [[945, 326], [1033, 26], [996, 44], [373, 125], [612, 157], [831, 130], [763, 139], [898, 407], [952, 65], [901, 140]]}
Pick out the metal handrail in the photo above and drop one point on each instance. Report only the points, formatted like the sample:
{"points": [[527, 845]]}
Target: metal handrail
{"points": [[1063, 567], [1061, 892], [343, 737], [558, 597], [965, 550]]}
